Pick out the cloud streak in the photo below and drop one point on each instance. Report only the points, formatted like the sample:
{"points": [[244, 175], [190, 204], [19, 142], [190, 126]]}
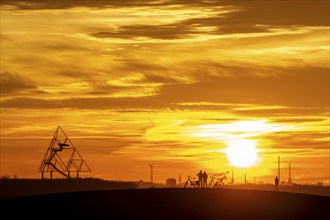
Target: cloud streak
{"points": [[14, 84], [132, 80]]}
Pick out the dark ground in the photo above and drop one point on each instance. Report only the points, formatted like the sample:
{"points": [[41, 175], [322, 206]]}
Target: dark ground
{"points": [[27, 187], [168, 203]]}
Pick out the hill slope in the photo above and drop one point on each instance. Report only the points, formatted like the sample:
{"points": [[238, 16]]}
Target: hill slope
{"points": [[170, 203]]}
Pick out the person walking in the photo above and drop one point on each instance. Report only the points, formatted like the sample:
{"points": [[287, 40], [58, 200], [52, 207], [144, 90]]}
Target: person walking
{"points": [[276, 180]]}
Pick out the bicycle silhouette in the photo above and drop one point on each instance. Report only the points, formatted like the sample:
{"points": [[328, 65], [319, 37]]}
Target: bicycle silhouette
{"points": [[194, 183], [217, 180]]}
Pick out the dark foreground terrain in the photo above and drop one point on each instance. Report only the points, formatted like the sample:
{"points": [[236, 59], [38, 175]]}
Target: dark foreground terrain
{"points": [[168, 203], [28, 187]]}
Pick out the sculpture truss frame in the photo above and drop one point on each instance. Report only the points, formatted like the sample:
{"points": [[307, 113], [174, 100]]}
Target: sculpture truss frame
{"points": [[62, 157]]}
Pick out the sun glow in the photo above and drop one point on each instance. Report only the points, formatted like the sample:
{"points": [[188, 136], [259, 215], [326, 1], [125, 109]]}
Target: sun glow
{"points": [[241, 153]]}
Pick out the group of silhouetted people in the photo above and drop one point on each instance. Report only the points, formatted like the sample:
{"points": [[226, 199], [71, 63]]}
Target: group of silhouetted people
{"points": [[202, 179]]}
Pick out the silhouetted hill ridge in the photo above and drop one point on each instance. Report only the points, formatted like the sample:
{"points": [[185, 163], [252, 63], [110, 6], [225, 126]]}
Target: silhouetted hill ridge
{"points": [[26, 187]]}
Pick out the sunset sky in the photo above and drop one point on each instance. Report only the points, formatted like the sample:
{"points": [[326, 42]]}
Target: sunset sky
{"points": [[169, 82]]}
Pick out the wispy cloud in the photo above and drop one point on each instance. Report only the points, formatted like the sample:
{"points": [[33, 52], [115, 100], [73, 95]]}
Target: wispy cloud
{"points": [[131, 78], [12, 84]]}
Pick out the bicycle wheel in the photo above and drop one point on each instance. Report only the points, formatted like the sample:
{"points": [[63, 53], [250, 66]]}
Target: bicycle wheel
{"points": [[195, 184]]}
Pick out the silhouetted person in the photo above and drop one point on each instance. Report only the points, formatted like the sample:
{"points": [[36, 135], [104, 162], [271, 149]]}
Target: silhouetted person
{"points": [[205, 179], [276, 180], [200, 178]]}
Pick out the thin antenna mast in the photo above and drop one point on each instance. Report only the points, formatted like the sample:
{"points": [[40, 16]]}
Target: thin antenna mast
{"points": [[152, 174], [278, 168]]}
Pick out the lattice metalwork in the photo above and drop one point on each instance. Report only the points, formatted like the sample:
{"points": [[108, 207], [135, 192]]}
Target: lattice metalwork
{"points": [[62, 157]]}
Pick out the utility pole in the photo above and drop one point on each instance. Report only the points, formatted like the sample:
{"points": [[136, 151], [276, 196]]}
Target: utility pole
{"points": [[245, 179], [151, 167], [232, 177], [289, 180], [278, 168]]}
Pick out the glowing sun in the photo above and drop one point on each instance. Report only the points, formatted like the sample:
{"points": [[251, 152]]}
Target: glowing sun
{"points": [[241, 153]]}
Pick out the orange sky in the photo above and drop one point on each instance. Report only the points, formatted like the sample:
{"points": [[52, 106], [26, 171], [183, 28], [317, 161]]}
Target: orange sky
{"points": [[169, 82]]}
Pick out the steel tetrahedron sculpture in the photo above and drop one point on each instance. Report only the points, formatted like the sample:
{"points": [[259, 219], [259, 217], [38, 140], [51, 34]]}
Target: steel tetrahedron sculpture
{"points": [[62, 157]]}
